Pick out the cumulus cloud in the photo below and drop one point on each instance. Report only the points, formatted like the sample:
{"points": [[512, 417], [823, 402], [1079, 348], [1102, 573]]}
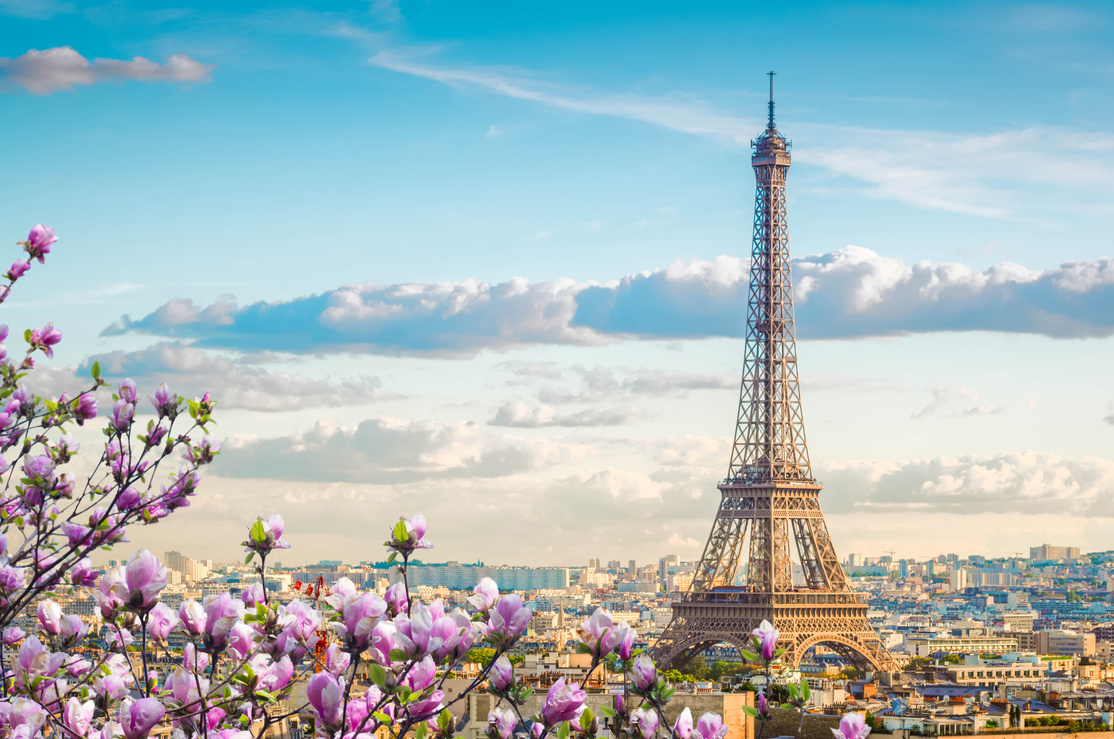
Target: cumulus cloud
{"points": [[1026, 482], [955, 401], [851, 292], [62, 67], [602, 383], [388, 451], [519, 415], [235, 382], [1110, 413]]}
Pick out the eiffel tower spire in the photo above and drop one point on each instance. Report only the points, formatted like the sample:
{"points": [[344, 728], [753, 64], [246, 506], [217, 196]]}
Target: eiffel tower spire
{"points": [[769, 491]]}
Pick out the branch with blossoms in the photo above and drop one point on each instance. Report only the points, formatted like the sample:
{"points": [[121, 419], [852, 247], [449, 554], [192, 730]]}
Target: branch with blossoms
{"points": [[242, 656]]}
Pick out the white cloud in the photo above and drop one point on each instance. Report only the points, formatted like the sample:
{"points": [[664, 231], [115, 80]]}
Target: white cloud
{"points": [[955, 401], [233, 382], [519, 415], [851, 292], [389, 451], [62, 67]]}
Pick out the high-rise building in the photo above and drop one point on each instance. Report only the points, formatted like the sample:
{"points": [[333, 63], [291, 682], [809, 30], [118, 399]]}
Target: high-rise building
{"points": [[959, 579], [1046, 551], [594, 564]]}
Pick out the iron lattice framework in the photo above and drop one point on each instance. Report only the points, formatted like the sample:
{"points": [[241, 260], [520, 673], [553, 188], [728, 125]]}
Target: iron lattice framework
{"points": [[769, 491]]}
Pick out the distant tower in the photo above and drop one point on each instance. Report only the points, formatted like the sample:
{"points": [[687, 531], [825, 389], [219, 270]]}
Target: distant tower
{"points": [[769, 487]]}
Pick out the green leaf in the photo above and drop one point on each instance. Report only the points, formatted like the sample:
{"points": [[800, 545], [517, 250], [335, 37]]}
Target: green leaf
{"points": [[750, 656], [563, 731], [382, 718], [96, 371], [586, 718], [780, 652], [258, 533], [805, 691], [397, 655], [751, 711], [27, 336], [583, 648], [378, 675], [421, 731], [248, 558], [444, 720], [399, 532], [392, 557], [609, 712]]}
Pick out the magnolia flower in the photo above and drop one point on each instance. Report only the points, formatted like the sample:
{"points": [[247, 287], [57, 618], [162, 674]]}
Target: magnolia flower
{"points": [[397, 602], [265, 535], [326, 697], [508, 619], [502, 673], [39, 241], [411, 535], [682, 728], [78, 716], [765, 640], [710, 726], [500, 723], [563, 702], [644, 722], [360, 616], [50, 615], [160, 622], [852, 726], [643, 673], [221, 614], [145, 579], [83, 574], [602, 635], [484, 595], [138, 718], [252, 595]]}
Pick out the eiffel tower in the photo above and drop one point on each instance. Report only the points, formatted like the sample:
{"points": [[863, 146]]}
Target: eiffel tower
{"points": [[769, 491]]}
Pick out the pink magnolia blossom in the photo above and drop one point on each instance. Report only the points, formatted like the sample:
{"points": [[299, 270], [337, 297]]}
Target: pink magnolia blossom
{"points": [[484, 595], [563, 702], [644, 722], [765, 640], [643, 673], [78, 716], [601, 634], [145, 579], [711, 726], [508, 619], [682, 728], [501, 723], [39, 241], [138, 718], [852, 726], [502, 673], [326, 697], [160, 622]]}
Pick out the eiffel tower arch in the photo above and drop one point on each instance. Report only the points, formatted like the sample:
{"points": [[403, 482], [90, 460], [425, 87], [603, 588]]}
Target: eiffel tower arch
{"points": [[770, 502]]}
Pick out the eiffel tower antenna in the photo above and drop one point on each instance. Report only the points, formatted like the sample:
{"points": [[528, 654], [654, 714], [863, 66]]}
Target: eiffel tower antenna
{"points": [[769, 498], [770, 124]]}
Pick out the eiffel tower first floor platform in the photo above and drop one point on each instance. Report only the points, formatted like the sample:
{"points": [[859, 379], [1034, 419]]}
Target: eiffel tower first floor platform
{"points": [[836, 620]]}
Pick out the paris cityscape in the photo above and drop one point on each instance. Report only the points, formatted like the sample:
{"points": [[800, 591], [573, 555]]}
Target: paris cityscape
{"points": [[404, 369]]}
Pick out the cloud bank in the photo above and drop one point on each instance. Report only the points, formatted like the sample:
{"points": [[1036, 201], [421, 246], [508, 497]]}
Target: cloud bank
{"points": [[60, 68], [848, 293]]}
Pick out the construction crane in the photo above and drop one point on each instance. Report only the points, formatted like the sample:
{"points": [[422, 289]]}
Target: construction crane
{"points": [[317, 590]]}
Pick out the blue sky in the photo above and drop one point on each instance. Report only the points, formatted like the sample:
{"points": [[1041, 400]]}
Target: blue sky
{"points": [[487, 260]]}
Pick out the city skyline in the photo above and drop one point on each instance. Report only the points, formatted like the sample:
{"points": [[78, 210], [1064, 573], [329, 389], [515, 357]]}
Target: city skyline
{"points": [[501, 284]]}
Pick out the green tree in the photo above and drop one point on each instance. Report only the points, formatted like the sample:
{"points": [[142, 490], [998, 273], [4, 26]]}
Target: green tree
{"points": [[697, 667]]}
